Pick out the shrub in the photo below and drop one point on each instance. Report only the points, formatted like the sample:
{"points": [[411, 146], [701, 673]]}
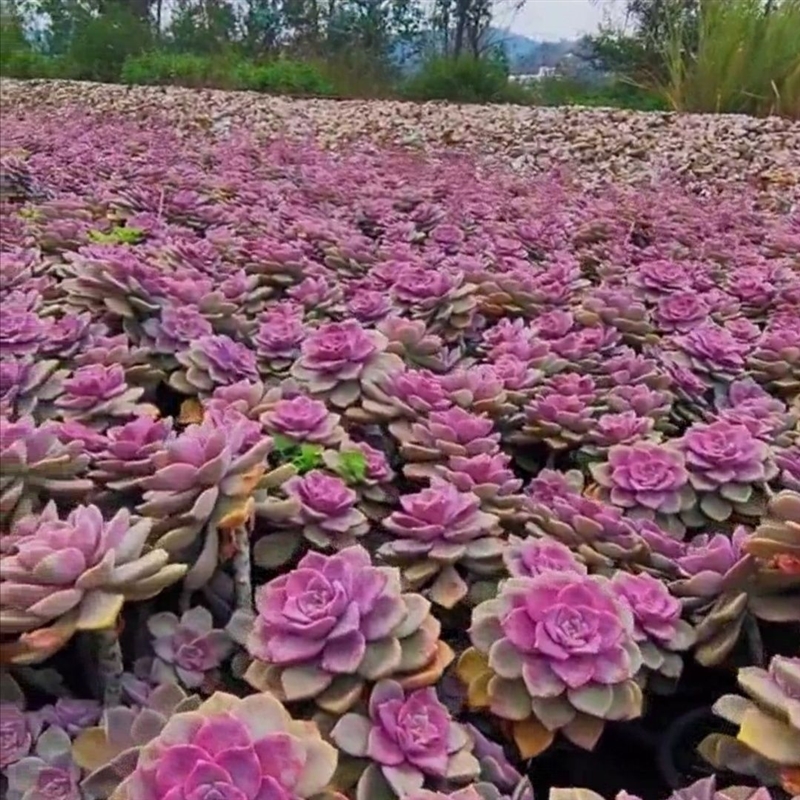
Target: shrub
{"points": [[27, 63], [159, 67], [282, 77], [465, 80], [563, 91], [747, 59]]}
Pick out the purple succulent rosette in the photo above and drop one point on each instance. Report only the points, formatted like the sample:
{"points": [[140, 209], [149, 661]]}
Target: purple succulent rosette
{"points": [[187, 648], [339, 358], [409, 394], [480, 389], [49, 772], [410, 339], [203, 480], [327, 513], [278, 339], [775, 360], [728, 468], [647, 480], [559, 420], [233, 747], [437, 529], [442, 435], [408, 738], [212, 361], [658, 628], [492, 479], [532, 556], [302, 419], [561, 648], [712, 352], [34, 463], [334, 623], [788, 462], [79, 569], [25, 384], [175, 329]]}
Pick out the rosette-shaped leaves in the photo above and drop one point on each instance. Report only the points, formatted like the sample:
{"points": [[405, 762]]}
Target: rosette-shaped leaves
{"points": [[83, 566], [34, 463], [212, 361], [480, 389], [788, 462], [531, 556], [335, 622], [25, 383], [204, 479], [302, 419], [442, 435], [657, 625], [728, 467], [277, 340], [559, 420], [711, 352], [614, 429], [438, 528], [554, 652], [442, 299], [704, 789], [186, 648], [367, 470], [408, 394], [96, 394], [49, 773], [491, 478], [247, 749], [175, 330], [767, 744], [410, 339], [339, 358], [22, 331], [648, 480], [408, 737], [327, 511], [107, 754], [127, 455], [775, 360], [776, 541]]}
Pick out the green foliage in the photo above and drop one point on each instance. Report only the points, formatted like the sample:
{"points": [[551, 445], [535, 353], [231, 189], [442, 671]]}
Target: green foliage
{"points": [[352, 466], [117, 235], [101, 44], [303, 457], [283, 76], [560, 91], [747, 59], [464, 79], [159, 67]]}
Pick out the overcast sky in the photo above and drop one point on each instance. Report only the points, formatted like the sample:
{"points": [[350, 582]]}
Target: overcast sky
{"points": [[555, 19]]}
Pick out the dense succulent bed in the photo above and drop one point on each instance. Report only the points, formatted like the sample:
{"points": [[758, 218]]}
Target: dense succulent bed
{"points": [[363, 475]]}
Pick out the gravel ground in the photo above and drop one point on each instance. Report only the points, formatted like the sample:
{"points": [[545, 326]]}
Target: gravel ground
{"points": [[701, 151]]}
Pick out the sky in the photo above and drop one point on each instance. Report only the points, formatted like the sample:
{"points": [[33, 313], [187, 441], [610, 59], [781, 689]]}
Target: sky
{"points": [[555, 19]]}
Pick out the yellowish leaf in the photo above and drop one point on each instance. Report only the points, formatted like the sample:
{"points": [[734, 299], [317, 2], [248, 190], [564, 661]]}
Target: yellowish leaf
{"points": [[531, 737], [191, 412], [471, 665]]}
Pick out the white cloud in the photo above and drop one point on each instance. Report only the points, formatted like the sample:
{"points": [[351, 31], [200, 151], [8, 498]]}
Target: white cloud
{"points": [[556, 19]]}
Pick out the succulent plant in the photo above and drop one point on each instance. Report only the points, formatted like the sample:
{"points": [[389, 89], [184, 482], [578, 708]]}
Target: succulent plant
{"points": [[186, 648], [302, 419], [767, 743], [442, 435], [437, 529], [410, 339], [49, 773], [648, 480], [82, 566], [711, 352], [335, 622], [278, 339], [554, 652], [71, 715], [775, 360], [212, 361], [409, 394], [339, 358], [728, 468], [704, 789], [407, 737], [33, 463], [203, 482], [531, 556], [559, 420], [108, 753], [657, 625], [281, 756], [19, 729], [25, 383], [327, 513]]}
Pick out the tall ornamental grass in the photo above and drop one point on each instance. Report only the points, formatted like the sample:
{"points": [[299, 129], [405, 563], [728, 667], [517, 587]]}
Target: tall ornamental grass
{"points": [[745, 59]]}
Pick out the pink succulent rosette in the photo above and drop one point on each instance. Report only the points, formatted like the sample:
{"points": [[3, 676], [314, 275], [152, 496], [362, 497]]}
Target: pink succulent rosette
{"points": [[239, 748], [187, 648], [442, 527], [212, 361], [409, 394], [327, 510], [647, 480], [81, 566], [560, 647], [333, 623], [408, 737], [531, 556], [658, 628], [728, 467], [303, 419], [339, 358]]}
